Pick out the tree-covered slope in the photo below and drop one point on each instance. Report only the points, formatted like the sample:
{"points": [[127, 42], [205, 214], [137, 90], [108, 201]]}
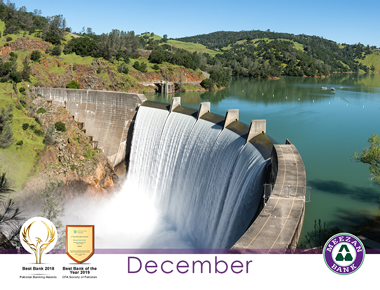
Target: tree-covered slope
{"points": [[322, 55]]}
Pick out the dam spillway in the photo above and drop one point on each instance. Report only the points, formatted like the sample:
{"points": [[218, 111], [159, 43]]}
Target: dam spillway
{"points": [[190, 139], [208, 180]]}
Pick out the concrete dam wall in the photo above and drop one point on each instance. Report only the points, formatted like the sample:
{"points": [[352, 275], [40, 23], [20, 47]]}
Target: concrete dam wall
{"points": [[107, 116]]}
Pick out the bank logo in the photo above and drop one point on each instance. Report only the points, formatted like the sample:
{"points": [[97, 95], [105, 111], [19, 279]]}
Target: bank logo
{"points": [[38, 236], [344, 253]]}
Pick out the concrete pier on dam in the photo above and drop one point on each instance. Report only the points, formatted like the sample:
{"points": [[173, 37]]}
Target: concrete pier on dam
{"points": [[109, 117]]}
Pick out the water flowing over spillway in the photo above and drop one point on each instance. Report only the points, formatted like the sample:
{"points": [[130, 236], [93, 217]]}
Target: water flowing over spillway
{"points": [[206, 181]]}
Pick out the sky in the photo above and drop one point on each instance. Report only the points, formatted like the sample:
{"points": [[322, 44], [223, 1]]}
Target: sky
{"points": [[343, 21]]}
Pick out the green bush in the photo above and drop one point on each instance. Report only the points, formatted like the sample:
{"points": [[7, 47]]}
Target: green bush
{"points": [[56, 51], [16, 76], [99, 70], [9, 38], [73, 85], [19, 107], [155, 67], [21, 90], [3, 80], [25, 126], [38, 132], [20, 143], [89, 153], [36, 55], [208, 84], [32, 126], [60, 126], [13, 56], [37, 121], [140, 66], [23, 103], [122, 68], [41, 111]]}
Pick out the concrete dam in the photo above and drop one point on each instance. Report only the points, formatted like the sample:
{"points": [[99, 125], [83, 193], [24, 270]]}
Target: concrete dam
{"points": [[205, 172]]}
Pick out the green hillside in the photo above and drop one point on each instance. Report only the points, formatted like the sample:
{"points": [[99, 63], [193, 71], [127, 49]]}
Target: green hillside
{"points": [[189, 46], [19, 160], [372, 60]]}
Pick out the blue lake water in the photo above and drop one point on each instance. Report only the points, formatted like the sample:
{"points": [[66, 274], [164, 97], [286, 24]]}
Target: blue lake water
{"points": [[326, 127]]}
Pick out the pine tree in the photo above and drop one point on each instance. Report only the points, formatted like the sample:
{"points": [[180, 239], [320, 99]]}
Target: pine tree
{"points": [[6, 136], [10, 219], [26, 70]]}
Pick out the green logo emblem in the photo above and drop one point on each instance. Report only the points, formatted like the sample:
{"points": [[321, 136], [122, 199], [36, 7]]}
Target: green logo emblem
{"points": [[344, 253], [348, 257]]}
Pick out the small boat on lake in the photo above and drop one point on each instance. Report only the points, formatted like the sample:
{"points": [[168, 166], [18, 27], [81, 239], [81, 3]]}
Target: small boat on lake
{"points": [[333, 89], [324, 88]]}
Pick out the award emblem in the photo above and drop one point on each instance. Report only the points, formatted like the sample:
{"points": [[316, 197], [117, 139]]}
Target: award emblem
{"points": [[38, 236], [80, 242]]}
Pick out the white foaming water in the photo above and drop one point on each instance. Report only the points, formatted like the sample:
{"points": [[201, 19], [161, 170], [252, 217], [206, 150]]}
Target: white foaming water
{"points": [[143, 159], [190, 185], [126, 220]]}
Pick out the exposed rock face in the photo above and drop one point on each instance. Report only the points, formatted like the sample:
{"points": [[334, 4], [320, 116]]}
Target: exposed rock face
{"points": [[56, 72], [70, 158], [23, 44]]}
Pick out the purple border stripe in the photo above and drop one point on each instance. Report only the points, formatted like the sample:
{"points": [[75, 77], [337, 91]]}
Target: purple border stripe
{"points": [[189, 251]]}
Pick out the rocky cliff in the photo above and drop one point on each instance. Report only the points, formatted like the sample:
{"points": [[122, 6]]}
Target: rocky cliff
{"points": [[24, 44], [69, 156]]}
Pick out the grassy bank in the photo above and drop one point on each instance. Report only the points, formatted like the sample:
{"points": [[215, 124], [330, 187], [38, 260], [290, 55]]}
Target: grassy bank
{"points": [[18, 161]]}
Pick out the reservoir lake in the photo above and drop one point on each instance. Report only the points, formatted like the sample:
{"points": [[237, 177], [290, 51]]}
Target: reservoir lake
{"points": [[326, 127]]}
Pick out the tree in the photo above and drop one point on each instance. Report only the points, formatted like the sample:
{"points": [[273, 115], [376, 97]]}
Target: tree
{"points": [[6, 134], [73, 85], [16, 77], [140, 66], [26, 70], [53, 207], [4, 186], [56, 50], [371, 156], [10, 219], [122, 68], [60, 126], [36, 55], [57, 25], [208, 84], [5, 116]]}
